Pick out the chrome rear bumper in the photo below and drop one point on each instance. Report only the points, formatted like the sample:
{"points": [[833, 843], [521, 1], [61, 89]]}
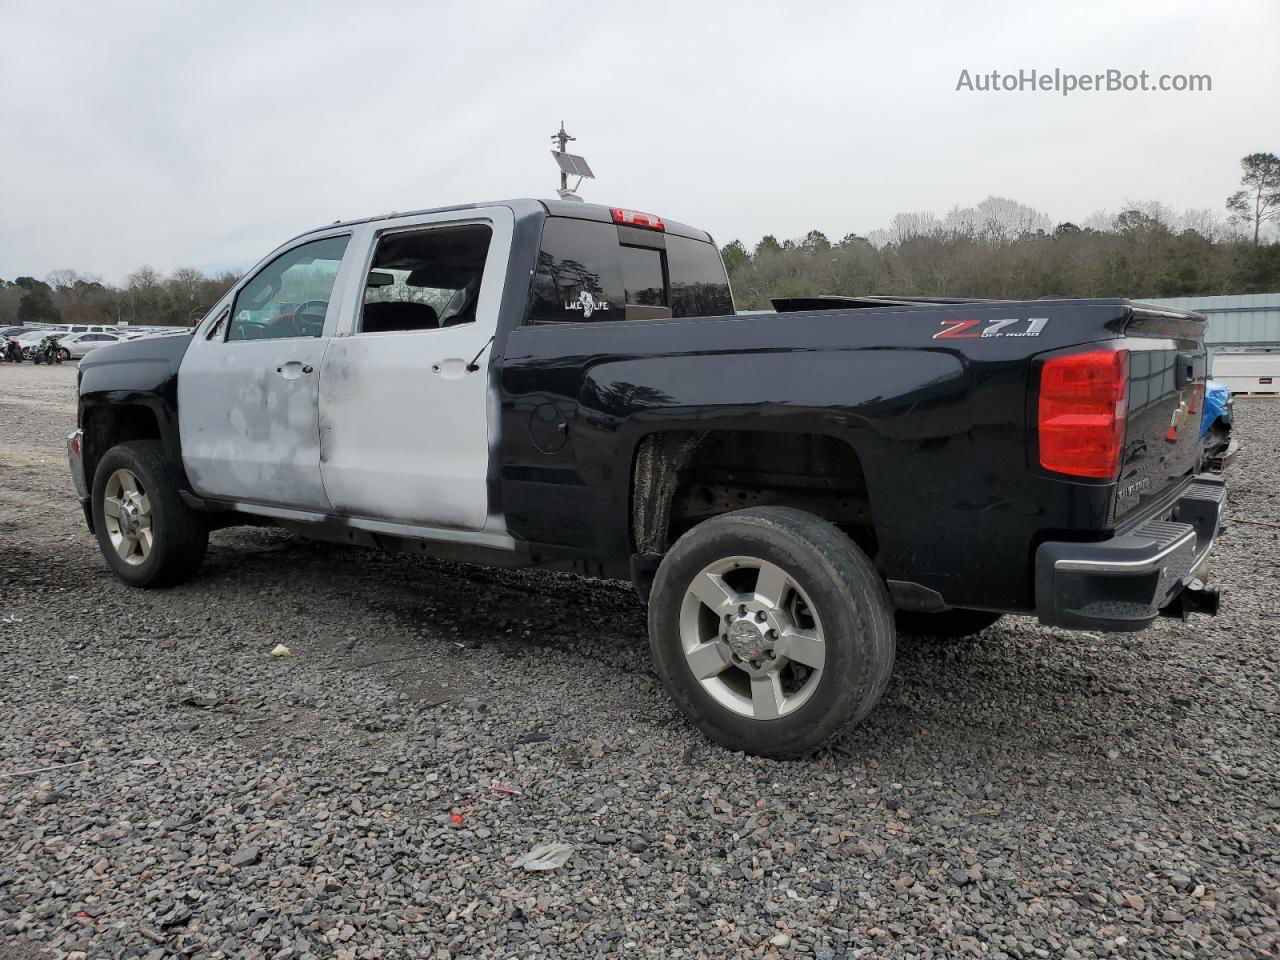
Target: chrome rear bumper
{"points": [[1125, 582]]}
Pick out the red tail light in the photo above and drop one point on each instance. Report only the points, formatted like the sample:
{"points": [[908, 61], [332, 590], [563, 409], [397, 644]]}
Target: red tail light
{"points": [[1082, 411], [634, 218]]}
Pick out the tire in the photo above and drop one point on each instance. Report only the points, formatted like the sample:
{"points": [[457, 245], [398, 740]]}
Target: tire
{"points": [[64, 354], [832, 610], [946, 624], [178, 536]]}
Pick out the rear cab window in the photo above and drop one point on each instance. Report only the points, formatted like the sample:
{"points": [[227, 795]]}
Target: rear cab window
{"points": [[592, 271]]}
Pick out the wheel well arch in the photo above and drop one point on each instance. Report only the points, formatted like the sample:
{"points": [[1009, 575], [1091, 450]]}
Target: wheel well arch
{"points": [[681, 477], [106, 425]]}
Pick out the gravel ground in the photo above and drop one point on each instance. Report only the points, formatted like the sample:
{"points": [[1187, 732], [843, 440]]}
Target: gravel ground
{"points": [[1032, 793]]}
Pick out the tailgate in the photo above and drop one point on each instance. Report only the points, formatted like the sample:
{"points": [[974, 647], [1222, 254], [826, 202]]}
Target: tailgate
{"points": [[1167, 371]]}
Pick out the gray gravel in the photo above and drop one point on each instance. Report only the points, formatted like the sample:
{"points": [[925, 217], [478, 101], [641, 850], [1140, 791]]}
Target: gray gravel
{"points": [[1033, 793]]}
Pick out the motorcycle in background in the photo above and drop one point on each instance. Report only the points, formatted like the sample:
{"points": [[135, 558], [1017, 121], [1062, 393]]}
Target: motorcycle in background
{"points": [[48, 351]]}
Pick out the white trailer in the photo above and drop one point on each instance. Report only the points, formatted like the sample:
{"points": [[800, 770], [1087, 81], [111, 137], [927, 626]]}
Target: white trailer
{"points": [[1248, 372]]}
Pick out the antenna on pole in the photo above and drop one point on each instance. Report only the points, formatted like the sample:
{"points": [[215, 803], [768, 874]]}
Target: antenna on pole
{"points": [[569, 163]]}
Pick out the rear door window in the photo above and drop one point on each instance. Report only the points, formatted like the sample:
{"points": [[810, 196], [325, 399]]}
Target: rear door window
{"points": [[425, 280]]}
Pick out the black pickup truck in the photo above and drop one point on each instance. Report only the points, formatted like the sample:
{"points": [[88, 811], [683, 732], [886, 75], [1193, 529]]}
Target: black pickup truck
{"points": [[563, 384]]}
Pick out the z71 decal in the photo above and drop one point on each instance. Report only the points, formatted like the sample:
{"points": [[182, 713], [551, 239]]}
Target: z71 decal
{"points": [[964, 329]]}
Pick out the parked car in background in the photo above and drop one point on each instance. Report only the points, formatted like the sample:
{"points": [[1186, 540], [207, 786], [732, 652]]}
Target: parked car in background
{"points": [[76, 345], [83, 327]]}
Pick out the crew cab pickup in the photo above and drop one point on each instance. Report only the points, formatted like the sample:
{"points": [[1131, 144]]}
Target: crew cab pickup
{"points": [[563, 384]]}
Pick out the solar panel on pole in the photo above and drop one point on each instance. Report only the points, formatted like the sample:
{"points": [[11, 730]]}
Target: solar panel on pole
{"points": [[573, 164]]}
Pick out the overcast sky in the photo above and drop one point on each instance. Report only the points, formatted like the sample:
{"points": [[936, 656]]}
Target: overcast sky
{"points": [[183, 134]]}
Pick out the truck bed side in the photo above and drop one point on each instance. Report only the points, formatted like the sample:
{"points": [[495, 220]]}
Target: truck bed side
{"points": [[938, 425]]}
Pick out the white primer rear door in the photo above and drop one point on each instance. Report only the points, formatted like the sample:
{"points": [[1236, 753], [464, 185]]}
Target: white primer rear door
{"points": [[404, 426]]}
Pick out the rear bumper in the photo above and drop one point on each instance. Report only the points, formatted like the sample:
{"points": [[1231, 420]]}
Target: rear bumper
{"points": [[75, 460], [1126, 582]]}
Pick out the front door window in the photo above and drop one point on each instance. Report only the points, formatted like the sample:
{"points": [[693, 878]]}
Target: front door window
{"points": [[289, 297]]}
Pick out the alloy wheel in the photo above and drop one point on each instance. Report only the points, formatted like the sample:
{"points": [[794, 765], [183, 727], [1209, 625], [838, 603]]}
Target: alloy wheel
{"points": [[752, 638], [126, 511]]}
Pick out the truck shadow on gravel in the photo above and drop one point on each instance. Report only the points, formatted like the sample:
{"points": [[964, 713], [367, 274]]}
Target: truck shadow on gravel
{"points": [[439, 631]]}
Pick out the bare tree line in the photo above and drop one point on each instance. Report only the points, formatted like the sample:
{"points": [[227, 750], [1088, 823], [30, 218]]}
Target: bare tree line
{"points": [[145, 298], [1004, 249]]}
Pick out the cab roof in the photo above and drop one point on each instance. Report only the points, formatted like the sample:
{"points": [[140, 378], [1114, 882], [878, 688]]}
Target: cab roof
{"points": [[525, 205]]}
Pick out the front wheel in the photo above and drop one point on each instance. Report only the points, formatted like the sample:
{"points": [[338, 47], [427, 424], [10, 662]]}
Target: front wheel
{"points": [[149, 537], [771, 630], [64, 354]]}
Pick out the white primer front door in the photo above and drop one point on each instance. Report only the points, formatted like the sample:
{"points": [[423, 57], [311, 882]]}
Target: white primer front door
{"points": [[248, 386]]}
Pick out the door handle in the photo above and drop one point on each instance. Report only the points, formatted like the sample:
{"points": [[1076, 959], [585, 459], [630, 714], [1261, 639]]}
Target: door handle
{"points": [[450, 369], [294, 369]]}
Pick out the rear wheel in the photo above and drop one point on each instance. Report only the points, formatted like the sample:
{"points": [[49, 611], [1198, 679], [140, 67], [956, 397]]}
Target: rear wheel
{"points": [[946, 624], [771, 630], [149, 537]]}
